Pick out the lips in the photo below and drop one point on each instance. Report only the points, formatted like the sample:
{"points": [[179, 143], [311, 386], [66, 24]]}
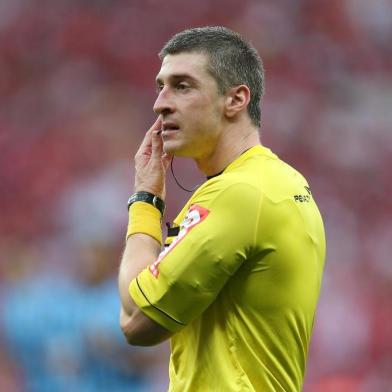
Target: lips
{"points": [[170, 126]]}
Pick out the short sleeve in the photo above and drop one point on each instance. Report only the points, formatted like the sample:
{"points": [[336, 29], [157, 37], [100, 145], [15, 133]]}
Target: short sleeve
{"points": [[218, 230]]}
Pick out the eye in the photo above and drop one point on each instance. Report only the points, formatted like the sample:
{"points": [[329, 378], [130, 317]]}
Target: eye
{"points": [[182, 86], [159, 88]]}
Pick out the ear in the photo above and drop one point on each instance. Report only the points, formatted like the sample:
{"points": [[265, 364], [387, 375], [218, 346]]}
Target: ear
{"points": [[237, 100]]}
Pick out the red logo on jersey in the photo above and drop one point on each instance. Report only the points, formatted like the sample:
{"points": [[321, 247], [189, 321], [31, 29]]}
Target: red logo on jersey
{"points": [[193, 217]]}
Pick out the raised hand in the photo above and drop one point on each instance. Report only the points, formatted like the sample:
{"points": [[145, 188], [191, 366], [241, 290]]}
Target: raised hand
{"points": [[151, 163]]}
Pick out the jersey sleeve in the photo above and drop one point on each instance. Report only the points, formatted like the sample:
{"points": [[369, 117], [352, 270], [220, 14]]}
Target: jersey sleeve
{"points": [[218, 230]]}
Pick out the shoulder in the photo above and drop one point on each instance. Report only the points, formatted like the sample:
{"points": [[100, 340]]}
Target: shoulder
{"points": [[272, 175], [228, 190]]}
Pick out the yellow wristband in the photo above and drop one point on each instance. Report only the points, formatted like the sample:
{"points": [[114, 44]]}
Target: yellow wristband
{"points": [[144, 218]]}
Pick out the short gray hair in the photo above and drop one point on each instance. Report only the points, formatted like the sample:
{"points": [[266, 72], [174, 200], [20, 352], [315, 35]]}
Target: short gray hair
{"points": [[232, 61]]}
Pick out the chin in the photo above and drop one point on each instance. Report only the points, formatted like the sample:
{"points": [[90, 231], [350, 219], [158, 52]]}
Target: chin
{"points": [[172, 148], [179, 150], [169, 148]]}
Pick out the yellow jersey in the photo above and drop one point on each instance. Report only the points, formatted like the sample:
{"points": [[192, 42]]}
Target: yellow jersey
{"points": [[240, 281]]}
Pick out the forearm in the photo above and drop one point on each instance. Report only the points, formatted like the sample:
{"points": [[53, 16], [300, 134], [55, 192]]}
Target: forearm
{"points": [[144, 236], [144, 239], [140, 251]]}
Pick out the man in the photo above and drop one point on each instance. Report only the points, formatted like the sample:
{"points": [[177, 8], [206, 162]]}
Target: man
{"points": [[237, 284]]}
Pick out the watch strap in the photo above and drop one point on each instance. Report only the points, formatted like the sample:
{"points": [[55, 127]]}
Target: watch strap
{"points": [[149, 198]]}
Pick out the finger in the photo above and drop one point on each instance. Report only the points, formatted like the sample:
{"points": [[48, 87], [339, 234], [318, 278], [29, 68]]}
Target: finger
{"points": [[166, 159], [157, 125], [157, 145], [147, 141]]}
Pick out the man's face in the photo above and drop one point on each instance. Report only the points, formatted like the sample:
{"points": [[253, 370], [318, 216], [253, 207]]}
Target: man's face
{"points": [[190, 106]]}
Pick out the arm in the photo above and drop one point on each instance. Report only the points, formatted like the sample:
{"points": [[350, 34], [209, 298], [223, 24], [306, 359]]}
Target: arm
{"points": [[142, 249], [213, 242]]}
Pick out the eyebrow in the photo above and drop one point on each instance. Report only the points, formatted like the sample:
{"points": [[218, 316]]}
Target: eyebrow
{"points": [[177, 77]]}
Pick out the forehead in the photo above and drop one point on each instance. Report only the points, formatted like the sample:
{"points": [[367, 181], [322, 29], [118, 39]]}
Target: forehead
{"points": [[192, 64]]}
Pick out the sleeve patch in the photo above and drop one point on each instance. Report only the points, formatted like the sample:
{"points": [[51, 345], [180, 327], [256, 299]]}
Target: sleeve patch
{"points": [[195, 215]]}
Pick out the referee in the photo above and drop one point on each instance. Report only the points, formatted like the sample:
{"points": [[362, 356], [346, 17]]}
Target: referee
{"points": [[236, 284]]}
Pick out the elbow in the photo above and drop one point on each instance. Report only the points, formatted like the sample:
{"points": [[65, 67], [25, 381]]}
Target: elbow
{"points": [[139, 338], [134, 338], [136, 334], [131, 339]]}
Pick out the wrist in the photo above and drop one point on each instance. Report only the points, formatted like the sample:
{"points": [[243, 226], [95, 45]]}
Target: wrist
{"points": [[144, 218], [158, 191], [149, 198]]}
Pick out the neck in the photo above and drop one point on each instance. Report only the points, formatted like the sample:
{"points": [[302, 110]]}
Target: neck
{"points": [[227, 150]]}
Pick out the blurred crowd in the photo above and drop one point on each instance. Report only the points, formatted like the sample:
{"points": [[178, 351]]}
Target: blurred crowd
{"points": [[76, 92]]}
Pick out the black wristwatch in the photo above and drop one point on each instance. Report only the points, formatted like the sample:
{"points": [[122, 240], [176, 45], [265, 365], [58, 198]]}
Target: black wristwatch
{"points": [[149, 198]]}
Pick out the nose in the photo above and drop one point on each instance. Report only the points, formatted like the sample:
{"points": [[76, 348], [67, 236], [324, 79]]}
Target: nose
{"points": [[163, 104]]}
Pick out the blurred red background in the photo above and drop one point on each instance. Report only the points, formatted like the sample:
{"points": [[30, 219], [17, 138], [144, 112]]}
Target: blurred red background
{"points": [[76, 92]]}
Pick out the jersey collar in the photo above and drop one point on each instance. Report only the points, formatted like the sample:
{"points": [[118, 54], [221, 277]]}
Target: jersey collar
{"points": [[255, 150]]}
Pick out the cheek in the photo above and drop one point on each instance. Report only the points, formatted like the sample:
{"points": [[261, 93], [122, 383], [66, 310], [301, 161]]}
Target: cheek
{"points": [[205, 113], [202, 116]]}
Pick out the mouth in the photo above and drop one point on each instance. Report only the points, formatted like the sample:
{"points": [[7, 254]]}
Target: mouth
{"points": [[169, 127]]}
